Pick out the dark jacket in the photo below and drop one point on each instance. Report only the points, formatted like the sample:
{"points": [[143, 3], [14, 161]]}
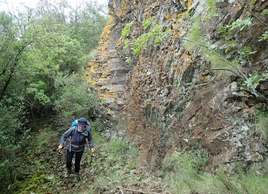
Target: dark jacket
{"points": [[77, 139]]}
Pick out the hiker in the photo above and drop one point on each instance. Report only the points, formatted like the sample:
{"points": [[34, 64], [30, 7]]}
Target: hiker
{"points": [[77, 134]]}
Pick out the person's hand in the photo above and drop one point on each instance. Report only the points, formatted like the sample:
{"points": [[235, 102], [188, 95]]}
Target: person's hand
{"points": [[60, 147], [93, 150]]}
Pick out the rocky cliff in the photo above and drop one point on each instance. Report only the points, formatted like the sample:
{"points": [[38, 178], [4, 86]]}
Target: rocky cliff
{"points": [[186, 74]]}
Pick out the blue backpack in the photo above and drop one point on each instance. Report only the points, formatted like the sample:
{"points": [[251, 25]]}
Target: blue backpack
{"points": [[74, 123]]}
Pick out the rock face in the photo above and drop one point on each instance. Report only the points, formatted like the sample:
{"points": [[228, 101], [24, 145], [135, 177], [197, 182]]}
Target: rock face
{"points": [[179, 73]]}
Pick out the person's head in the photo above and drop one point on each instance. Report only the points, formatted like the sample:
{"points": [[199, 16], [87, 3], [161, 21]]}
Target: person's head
{"points": [[82, 123]]}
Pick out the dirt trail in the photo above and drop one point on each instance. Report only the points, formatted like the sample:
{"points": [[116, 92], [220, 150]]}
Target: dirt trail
{"points": [[93, 168]]}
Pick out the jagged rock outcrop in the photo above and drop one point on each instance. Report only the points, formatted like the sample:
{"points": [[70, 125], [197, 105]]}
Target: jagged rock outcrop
{"points": [[183, 89]]}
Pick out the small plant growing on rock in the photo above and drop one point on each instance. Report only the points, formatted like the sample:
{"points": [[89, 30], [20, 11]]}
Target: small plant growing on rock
{"points": [[241, 23], [264, 36], [126, 30], [129, 60], [155, 34], [246, 53], [141, 43], [126, 44], [252, 82], [261, 127], [146, 23], [224, 31], [264, 12]]}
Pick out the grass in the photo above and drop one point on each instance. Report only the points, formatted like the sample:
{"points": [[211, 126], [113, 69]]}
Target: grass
{"points": [[183, 174], [119, 165], [182, 171], [114, 166], [196, 39], [262, 124]]}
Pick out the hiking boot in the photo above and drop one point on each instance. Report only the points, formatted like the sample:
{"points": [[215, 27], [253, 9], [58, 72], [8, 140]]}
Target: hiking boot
{"points": [[68, 173], [76, 178]]}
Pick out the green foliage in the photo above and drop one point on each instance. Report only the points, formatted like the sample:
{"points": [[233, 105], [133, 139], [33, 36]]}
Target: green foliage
{"points": [[31, 184], [224, 31], [121, 158], [129, 60], [146, 23], [158, 34], [147, 103], [230, 45], [227, 184], [241, 183], [264, 12], [252, 81], [246, 53], [212, 9], [41, 45], [140, 43], [196, 39], [42, 57], [185, 168], [43, 139], [155, 34], [10, 145], [5, 174], [264, 36], [75, 99], [126, 44], [262, 123], [183, 174], [118, 144], [241, 24], [126, 30], [36, 90]]}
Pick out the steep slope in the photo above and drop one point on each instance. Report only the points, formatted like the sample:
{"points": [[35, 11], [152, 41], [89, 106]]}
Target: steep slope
{"points": [[182, 74]]}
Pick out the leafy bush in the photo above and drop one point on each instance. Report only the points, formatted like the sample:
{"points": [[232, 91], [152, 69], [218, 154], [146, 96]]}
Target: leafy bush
{"points": [[13, 138], [74, 96]]}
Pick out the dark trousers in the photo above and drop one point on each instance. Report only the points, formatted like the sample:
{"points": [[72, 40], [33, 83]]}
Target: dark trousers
{"points": [[69, 157]]}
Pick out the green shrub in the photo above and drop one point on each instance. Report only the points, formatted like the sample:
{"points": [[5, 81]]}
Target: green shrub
{"points": [[75, 97]]}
